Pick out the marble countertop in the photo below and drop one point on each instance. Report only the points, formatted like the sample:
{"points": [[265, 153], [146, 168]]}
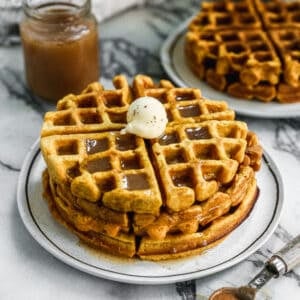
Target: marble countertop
{"points": [[27, 271]]}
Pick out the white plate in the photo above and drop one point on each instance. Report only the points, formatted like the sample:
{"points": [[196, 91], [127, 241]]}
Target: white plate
{"points": [[243, 241], [173, 61]]}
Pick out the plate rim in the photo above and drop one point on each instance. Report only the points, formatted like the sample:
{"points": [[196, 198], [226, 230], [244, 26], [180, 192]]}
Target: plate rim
{"points": [[167, 63], [39, 236]]}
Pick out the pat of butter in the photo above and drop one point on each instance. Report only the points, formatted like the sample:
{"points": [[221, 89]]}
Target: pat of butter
{"points": [[146, 117]]}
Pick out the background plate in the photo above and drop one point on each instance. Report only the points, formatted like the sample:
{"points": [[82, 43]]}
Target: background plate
{"points": [[173, 61], [242, 242]]}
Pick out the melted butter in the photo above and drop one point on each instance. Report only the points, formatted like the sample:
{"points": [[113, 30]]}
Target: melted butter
{"points": [[135, 182], [99, 165], [185, 97], [189, 111], [168, 139], [94, 146], [198, 133], [182, 180], [125, 142], [130, 164]]}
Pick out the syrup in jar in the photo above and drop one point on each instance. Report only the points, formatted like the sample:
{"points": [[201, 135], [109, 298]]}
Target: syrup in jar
{"points": [[60, 46]]}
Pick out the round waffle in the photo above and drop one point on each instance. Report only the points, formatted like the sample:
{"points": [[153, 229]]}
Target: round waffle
{"points": [[250, 49], [169, 197]]}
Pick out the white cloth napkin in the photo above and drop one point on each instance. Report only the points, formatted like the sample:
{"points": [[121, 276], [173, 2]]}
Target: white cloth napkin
{"points": [[103, 9]]}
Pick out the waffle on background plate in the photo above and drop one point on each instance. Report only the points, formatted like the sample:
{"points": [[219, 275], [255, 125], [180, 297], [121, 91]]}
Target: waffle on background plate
{"points": [[169, 197], [248, 48]]}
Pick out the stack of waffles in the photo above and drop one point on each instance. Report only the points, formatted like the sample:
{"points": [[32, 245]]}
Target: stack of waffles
{"points": [[250, 49], [156, 199]]}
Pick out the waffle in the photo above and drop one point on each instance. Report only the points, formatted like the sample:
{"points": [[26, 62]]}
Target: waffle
{"points": [[255, 60], [287, 42], [84, 221], [277, 14], [221, 221], [90, 211], [183, 105], [94, 110], [230, 57], [193, 160], [236, 14], [106, 165], [169, 197], [288, 93], [202, 213], [98, 110], [264, 92], [87, 229]]}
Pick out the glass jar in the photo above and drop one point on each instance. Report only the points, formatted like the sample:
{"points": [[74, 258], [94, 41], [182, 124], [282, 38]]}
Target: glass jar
{"points": [[60, 46]]}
